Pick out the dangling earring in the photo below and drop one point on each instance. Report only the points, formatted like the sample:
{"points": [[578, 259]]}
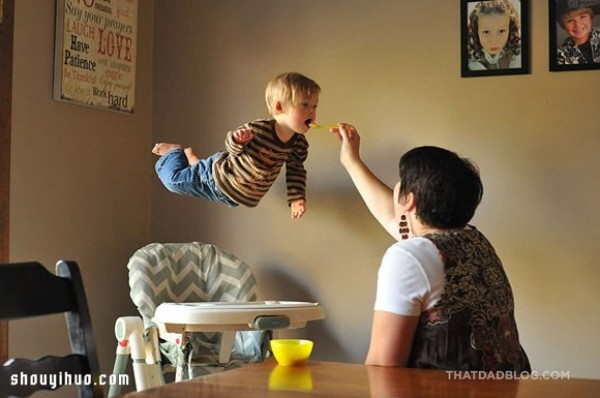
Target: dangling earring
{"points": [[404, 230]]}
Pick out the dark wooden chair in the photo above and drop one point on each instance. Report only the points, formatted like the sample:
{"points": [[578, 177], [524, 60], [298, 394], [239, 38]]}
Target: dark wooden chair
{"points": [[28, 290]]}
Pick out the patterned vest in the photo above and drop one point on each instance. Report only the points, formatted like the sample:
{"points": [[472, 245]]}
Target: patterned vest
{"points": [[472, 326]]}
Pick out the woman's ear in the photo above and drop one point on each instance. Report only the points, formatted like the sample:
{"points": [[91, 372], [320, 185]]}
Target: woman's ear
{"points": [[396, 193], [407, 201], [404, 203]]}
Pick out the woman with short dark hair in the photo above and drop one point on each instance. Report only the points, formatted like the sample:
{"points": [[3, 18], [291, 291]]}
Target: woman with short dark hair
{"points": [[443, 299]]}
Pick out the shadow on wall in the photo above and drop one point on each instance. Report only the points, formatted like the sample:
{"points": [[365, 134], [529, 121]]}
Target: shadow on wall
{"points": [[279, 283]]}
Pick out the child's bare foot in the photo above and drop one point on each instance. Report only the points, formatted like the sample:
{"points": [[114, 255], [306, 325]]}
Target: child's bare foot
{"points": [[162, 147], [191, 156]]}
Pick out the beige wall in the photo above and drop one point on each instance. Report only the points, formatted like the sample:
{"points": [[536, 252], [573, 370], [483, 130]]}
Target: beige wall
{"points": [[392, 68], [80, 181]]}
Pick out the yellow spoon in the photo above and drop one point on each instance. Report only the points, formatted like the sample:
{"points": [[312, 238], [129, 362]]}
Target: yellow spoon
{"points": [[319, 126]]}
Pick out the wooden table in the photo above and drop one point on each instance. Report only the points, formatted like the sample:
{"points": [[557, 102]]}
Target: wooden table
{"points": [[331, 379]]}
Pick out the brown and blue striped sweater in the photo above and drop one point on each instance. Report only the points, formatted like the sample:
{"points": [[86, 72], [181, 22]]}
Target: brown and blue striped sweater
{"points": [[245, 172]]}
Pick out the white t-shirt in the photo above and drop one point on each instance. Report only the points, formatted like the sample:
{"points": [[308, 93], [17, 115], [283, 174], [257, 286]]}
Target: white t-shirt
{"points": [[410, 278]]}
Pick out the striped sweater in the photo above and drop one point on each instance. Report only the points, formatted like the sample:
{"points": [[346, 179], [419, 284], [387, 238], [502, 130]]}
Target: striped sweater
{"points": [[245, 172]]}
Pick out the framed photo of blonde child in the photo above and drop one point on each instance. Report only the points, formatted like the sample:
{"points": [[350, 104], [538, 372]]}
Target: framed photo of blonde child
{"points": [[574, 34], [494, 37]]}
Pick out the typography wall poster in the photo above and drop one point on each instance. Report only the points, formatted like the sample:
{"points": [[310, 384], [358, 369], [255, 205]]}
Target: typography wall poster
{"points": [[95, 53]]}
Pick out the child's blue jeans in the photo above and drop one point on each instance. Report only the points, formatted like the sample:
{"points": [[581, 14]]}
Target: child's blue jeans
{"points": [[178, 176]]}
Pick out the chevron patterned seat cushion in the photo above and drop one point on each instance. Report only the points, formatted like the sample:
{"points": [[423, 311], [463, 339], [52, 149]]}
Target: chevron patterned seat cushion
{"points": [[194, 272], [187, 272]]}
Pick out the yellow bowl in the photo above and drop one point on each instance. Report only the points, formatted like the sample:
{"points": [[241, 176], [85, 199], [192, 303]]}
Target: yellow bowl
{"points": [[289, 352]]}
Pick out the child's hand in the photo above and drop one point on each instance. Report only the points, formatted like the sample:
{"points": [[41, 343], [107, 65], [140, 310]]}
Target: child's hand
{"points": [[298, 208], [242, 136]]}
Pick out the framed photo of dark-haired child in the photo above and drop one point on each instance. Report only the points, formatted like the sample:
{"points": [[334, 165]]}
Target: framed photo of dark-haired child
{"points": [[494, 37], [574, 34]]}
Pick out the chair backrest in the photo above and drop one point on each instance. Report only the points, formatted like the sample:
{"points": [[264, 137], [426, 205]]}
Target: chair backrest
{"points": [[28, 290], [194, 272], [187, 272]]}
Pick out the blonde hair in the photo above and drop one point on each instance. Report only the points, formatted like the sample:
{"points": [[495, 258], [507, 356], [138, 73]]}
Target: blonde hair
{"points": [[577, 11], [286, 88]]}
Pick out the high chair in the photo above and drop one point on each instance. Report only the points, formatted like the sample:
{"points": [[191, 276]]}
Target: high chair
{"points": [[199, 314]]}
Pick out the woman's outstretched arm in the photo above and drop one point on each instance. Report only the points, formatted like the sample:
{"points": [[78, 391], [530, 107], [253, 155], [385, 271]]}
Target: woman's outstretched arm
{"points": [[377, 196]]}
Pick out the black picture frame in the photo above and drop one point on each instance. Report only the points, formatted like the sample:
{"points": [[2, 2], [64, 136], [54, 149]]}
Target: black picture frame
{"points": [[509, 65], [558, 35]]}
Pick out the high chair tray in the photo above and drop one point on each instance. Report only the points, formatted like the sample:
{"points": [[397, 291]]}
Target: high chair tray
{"points": [[225, 316]]}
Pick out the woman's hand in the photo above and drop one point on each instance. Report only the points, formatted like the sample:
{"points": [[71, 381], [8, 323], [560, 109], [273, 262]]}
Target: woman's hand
{"points": [[350, 150]]}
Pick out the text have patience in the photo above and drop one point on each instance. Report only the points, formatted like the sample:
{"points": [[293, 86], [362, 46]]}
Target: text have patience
{"points": [[73, 59]]}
